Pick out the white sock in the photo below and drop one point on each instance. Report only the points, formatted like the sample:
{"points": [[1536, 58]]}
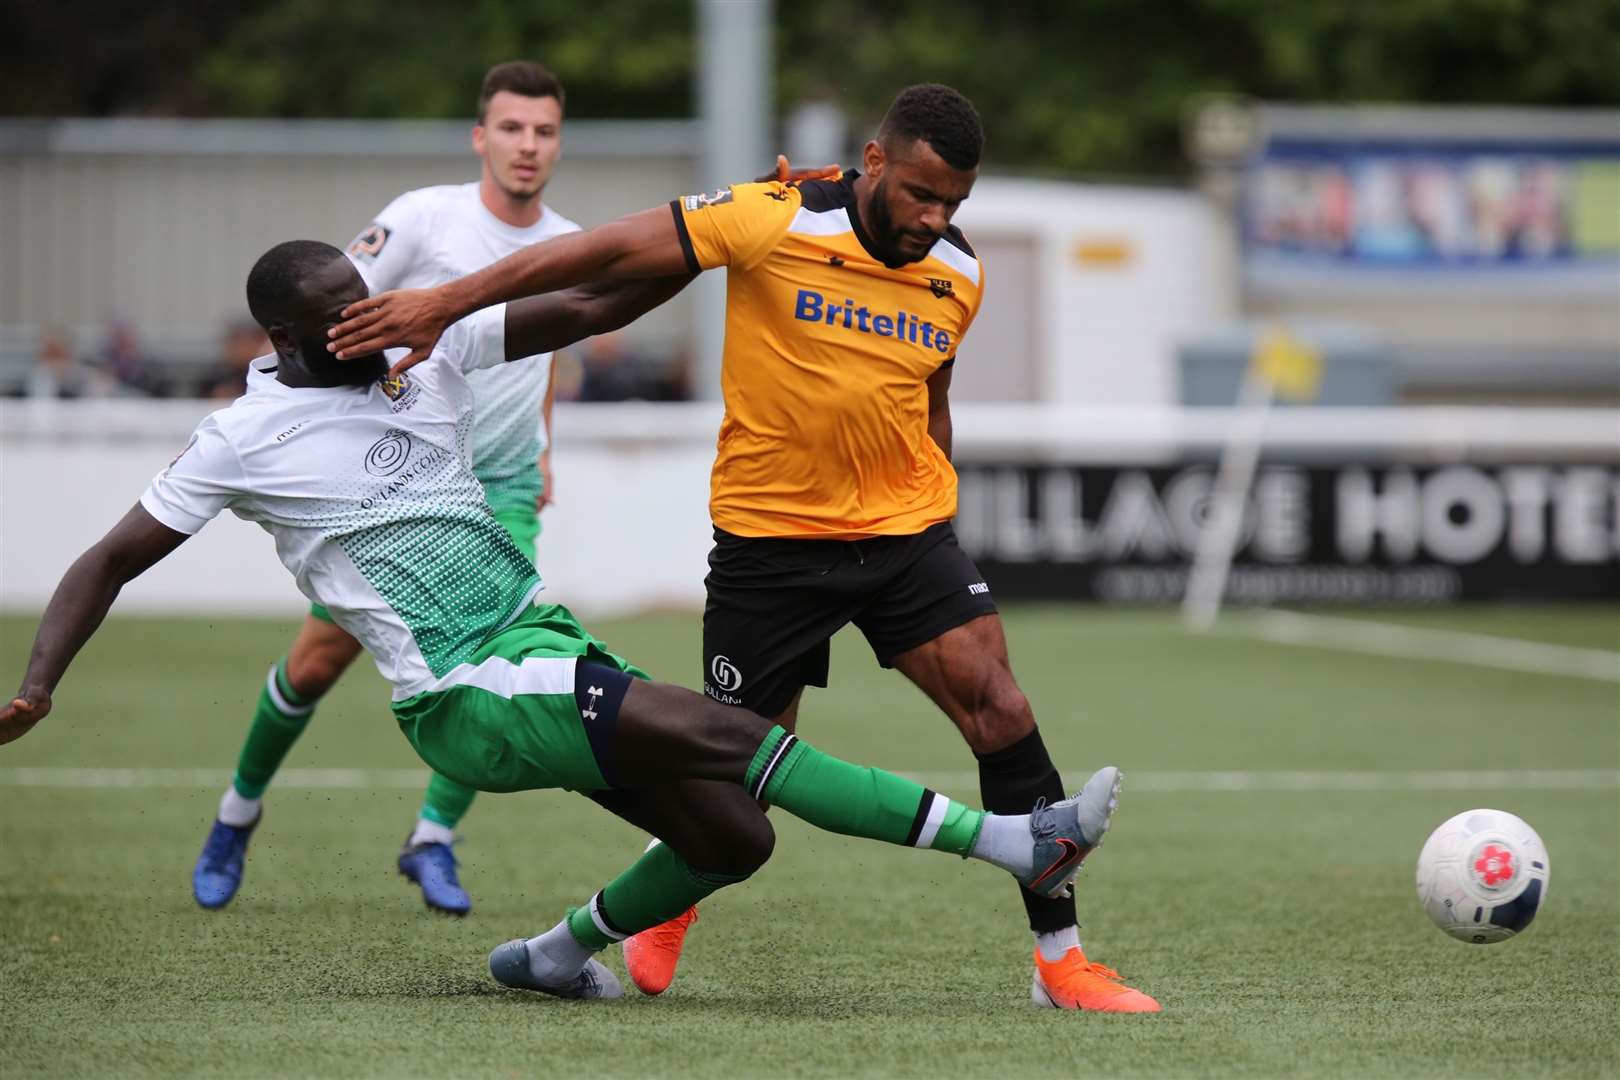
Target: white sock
{"points": [[1004, 841], [429, 832], [237, 811], [1054, 945], [556, 957]]}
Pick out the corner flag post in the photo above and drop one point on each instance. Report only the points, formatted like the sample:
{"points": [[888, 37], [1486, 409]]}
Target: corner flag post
{"points": [[1279, 364]]}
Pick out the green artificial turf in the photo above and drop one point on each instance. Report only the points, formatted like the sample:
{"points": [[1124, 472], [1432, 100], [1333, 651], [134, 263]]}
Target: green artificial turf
{"points": [[1279, 928]]}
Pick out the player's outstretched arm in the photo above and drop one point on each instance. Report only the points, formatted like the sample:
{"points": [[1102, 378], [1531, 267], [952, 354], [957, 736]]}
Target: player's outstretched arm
{"points": [[77, 608], [552, 321], [640, 245]]}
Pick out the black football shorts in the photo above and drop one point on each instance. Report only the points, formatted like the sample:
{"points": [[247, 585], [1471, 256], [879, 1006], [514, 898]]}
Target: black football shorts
{"points": [[773, 605]]}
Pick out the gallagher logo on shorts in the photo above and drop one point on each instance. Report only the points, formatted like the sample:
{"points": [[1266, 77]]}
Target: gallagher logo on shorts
{"points": [[388, 454], [726, 675]]}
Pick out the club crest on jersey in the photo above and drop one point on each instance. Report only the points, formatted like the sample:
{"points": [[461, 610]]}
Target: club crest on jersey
{"points": [[369, 244], [942, 287], [713, 198], [399, 390]]}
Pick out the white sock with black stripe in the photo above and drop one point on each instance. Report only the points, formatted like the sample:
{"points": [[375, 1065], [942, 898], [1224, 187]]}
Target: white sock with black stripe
{"points": [[556, 957], [1004, 841]]}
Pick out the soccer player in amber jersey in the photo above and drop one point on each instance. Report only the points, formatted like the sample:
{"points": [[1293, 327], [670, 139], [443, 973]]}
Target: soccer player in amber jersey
{"points": [[366, 483], [832, 493]]}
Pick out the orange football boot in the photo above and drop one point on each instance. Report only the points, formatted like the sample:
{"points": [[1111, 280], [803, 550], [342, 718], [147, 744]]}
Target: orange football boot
{"points": [[1076, 983], [651, 955]]}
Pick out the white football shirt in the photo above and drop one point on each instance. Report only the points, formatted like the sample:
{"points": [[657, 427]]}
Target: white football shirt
{"points": [[371, 499], [435, 234]]}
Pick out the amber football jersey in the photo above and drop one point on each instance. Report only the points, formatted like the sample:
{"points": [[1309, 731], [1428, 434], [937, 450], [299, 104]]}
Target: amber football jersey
{"points": [[827, 356]]}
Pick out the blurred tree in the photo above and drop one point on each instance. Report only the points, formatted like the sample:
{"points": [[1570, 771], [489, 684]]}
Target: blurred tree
{"points": [[1094, 87], [1100, 86]]}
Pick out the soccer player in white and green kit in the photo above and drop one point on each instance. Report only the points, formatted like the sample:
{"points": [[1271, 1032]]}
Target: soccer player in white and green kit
{"points": [[365, 482], [421, 239]]}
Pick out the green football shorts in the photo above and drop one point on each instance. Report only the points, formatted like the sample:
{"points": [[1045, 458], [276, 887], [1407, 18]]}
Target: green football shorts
{"points": [[523, 526], [508, 719]]}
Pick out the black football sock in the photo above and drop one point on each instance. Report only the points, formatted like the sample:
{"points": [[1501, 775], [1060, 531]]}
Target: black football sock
{"points": [[1010, 780]]}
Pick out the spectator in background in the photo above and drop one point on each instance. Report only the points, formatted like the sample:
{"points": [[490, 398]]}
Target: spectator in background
{"points": [[244, 342], [57, 371], [615, 372], [123, 358]]}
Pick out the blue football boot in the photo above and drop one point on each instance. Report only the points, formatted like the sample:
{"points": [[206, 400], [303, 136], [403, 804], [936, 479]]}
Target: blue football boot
{"points": [[433, 867], [218, 873]]}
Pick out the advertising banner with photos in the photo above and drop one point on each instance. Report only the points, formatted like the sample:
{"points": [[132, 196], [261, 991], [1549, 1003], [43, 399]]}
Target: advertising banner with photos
{"points": [[1360, 206]]}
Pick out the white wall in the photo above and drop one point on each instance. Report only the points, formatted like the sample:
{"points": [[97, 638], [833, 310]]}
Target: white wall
{"points": [[631, 527], [1119, 278], [630, 530]]}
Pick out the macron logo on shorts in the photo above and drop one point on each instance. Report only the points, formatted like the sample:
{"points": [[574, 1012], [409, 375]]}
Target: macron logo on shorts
{"points": [[978, 588]]}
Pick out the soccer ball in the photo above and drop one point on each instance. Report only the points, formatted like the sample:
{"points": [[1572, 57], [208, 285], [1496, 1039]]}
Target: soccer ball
{"points": [[1482, 876]]}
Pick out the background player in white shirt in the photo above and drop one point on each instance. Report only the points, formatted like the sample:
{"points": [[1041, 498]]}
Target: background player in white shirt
{"points": [[421, 239]]}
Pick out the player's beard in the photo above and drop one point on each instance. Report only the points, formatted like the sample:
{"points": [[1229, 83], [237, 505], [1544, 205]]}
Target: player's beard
{"points": [[886, 235], [513, 188], [328, 370], [363, 370]]}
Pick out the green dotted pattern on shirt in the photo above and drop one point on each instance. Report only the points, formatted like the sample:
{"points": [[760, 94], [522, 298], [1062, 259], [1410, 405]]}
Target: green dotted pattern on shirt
{"points": [[506, 433], [426, 542]]}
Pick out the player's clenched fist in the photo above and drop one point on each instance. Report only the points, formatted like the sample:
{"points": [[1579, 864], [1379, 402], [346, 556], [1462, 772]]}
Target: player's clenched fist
{"points": [[404, 318], [23, 712]]}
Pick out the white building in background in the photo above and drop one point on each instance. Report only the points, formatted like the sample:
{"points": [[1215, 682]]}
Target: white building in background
{"points": [[156, 222]]}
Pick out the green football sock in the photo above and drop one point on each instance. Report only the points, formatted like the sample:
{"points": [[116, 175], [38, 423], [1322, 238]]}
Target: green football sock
{"points": [[445, 801], [856, 800], [278, 720], [656, 888]]}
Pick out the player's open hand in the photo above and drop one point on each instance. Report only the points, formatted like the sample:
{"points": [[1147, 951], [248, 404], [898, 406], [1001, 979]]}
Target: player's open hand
{"points": [[786, 174], [21, 713], [405, 318]]}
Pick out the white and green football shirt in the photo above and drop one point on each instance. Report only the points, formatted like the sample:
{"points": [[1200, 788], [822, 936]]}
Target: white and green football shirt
{"points": [[371, 499], [436, 234]]}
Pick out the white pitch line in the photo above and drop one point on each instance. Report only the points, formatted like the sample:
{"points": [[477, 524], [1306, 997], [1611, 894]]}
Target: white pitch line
{"points": [[1136, 781], [1415, 643]]}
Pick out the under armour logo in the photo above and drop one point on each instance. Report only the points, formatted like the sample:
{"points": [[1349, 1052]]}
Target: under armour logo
{"points": [[594, 692]]}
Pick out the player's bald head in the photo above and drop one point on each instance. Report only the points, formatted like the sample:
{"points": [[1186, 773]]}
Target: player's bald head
{"points": [[939, 116], [297, 276], [297, 291]]}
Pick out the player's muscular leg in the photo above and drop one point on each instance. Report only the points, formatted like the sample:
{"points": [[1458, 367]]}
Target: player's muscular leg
{"points": [[965, 671], [714, 826], [789, 717], [666, 731], [319, 655]]}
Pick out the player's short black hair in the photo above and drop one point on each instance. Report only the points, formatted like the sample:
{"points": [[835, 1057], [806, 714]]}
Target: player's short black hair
{"points": [[273, 283], [524, 77], [940, 117]]}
